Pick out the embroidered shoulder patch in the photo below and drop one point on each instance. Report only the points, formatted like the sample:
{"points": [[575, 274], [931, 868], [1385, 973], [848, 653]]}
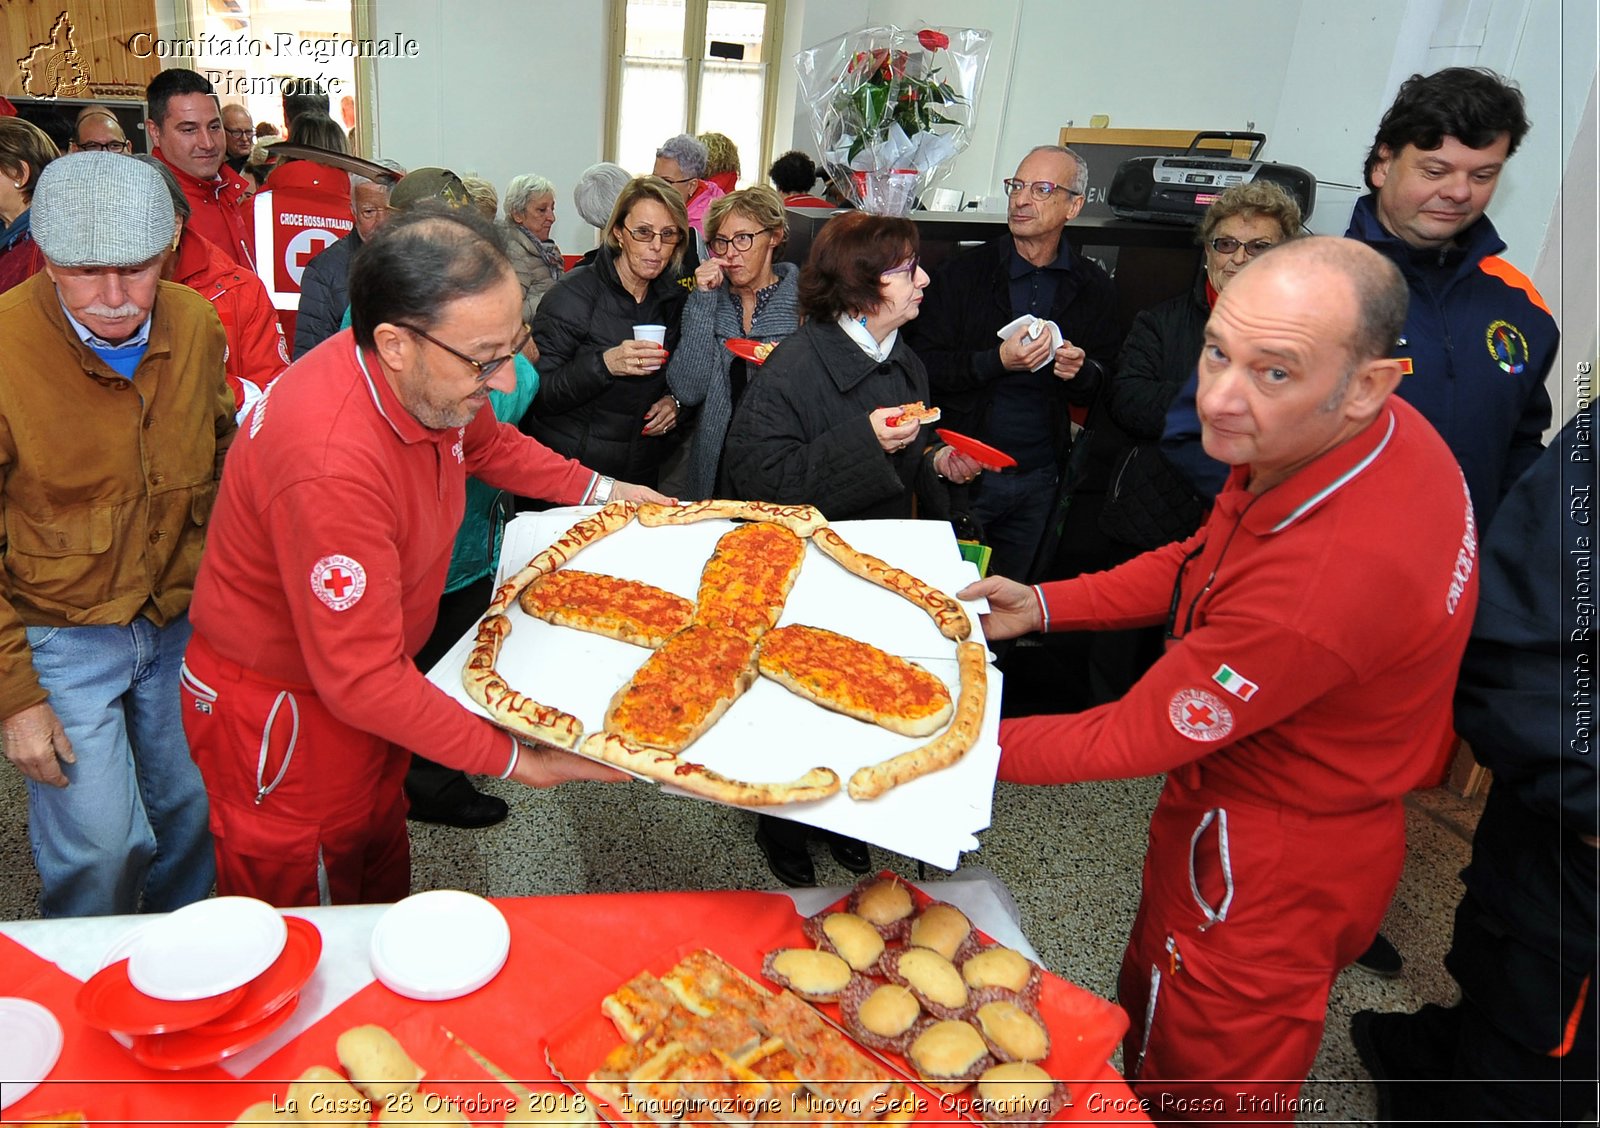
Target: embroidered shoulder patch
{"points": [[338, 581], [1235, 682], [1199, 715]]}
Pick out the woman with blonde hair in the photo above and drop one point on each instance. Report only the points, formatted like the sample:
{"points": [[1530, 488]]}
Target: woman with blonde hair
{"points": [[603, 394]]}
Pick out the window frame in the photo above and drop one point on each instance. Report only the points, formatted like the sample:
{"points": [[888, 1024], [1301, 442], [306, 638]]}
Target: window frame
{"points": [[694, 35]]}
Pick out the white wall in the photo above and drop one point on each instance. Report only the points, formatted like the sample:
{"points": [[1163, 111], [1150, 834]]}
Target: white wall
{"points": [[1314, 76], [501, 88], [509, 86]]}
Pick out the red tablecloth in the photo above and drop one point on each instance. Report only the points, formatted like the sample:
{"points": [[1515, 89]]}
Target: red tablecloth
{"points": [[567, 953]]}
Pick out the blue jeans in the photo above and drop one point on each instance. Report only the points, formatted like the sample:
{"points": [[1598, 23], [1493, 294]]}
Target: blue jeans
{"points": [[132, 819], [1013, 509]]}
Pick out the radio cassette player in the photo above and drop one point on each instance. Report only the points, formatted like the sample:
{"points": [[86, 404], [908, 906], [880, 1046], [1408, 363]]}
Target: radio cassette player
{"points": [[1179, 188]]}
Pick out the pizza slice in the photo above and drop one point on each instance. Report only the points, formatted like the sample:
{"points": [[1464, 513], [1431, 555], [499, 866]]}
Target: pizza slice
{"points": [[747, 579], [626, 610], [683, 687], [944, 749], [637, 1006], [916, 412], [853, 678]]}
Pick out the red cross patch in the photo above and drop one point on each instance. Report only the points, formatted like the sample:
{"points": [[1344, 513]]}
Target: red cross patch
{"points": [[1199, 715], [338, 581]]}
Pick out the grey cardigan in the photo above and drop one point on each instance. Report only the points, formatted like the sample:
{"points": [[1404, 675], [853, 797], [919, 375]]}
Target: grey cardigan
{"points": [[698, 372]]}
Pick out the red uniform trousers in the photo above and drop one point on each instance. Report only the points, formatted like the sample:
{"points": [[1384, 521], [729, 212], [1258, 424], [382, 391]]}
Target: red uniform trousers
{"points": [[331, 829], [1249, 911]]}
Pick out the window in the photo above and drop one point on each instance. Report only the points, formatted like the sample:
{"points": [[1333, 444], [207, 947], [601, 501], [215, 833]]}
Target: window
{"points": [[695, 66], [250, 49]]}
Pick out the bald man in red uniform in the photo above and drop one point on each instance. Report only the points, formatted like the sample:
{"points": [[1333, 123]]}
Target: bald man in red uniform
{"points": [[1316, 623]]}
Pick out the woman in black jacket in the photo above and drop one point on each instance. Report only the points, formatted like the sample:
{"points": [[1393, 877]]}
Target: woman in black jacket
{"points": [[1149, 503], [603, 396], [819, 425]]}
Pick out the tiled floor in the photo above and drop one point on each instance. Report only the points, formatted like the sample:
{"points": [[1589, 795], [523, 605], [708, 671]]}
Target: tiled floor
{"points": [[1070, 855]]}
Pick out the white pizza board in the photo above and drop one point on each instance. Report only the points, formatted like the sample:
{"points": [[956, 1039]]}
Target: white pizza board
{"points": [[769, 733]]}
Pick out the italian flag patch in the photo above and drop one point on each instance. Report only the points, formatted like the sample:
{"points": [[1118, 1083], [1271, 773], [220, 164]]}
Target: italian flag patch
{"points": [[1235, 682]]}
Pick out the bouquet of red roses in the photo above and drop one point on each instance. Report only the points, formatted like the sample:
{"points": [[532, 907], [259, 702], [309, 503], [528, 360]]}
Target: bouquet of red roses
{"points": [[891, 109]]}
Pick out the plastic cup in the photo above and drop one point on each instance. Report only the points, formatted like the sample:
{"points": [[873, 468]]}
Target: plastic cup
{"points": [[656, 333]]}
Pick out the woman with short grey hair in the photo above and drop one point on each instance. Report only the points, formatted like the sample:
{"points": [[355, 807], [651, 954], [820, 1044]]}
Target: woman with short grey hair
{"points": [[530, 214], [681, 162], [595, 194]]}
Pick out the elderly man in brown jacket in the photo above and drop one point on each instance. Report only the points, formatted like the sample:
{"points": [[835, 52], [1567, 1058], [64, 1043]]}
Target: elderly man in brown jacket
{"points": [[114, 417]]}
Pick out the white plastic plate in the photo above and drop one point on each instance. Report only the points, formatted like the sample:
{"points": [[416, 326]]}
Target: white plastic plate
{"points": [[439, 945], [30, 1043], [206, 948]]}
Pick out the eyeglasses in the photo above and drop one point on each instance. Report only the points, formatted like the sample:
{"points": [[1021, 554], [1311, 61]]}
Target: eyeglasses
{"points": [[743, 241], [685, 180], [910, 266], [1038, 189], [103, 146], [1228, 245], [250, 133], [669, 236], [484, 368]]}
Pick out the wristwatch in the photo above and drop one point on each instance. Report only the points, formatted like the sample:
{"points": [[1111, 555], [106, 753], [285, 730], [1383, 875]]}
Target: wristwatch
{"points": [[603, 488]]}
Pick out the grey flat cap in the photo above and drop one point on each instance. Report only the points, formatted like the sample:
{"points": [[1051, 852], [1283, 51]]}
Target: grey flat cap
{"points": [[101, 209]]}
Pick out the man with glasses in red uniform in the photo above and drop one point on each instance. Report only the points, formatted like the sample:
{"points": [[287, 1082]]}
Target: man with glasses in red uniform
{"points": [[327, 555], [1315, 624]]}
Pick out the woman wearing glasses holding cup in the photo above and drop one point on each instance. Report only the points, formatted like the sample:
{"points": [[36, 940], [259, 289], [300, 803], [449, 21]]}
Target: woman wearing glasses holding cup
{"points": [[603, 395], [739, 292]]}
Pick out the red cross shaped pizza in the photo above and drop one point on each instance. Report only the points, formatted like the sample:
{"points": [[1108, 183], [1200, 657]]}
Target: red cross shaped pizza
{"points": [[707, 652]]}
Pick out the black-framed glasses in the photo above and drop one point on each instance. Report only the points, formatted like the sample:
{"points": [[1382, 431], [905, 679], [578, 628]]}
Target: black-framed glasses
{"points": [[743, 241], [1038, 189], [250, 133], [1228, 245], [675, 183], [484, 368], [103, 146], [669, 236]]}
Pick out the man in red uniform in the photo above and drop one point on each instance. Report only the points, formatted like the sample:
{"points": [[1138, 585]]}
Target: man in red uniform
{"points": [[257, 349], [325, 560], [185, 127], [1316, 624]]}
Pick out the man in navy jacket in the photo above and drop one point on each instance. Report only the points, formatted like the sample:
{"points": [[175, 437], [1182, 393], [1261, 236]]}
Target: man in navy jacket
{"points": [[1479, 338]]}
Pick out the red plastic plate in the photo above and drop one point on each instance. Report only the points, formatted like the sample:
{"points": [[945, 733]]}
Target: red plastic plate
{"points": [[189, 1049], [108, 1001], [745, 348], [972, 448], [275, 987]]}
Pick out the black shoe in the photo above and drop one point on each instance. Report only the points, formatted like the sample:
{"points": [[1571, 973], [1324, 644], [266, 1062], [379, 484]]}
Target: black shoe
{"points": [[471, 811], [1381, 959], [1365, 1029], [850, 853], [790, 863]]}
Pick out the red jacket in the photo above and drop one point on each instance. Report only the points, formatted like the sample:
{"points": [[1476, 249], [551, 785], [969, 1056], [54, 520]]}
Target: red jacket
{"points": [[327, 552], [257, 351], [222, 211], [19, 262], [1344, 596]]}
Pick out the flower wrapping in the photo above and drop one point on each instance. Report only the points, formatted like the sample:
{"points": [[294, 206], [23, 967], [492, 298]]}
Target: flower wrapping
{"points": [[890, 109]]}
